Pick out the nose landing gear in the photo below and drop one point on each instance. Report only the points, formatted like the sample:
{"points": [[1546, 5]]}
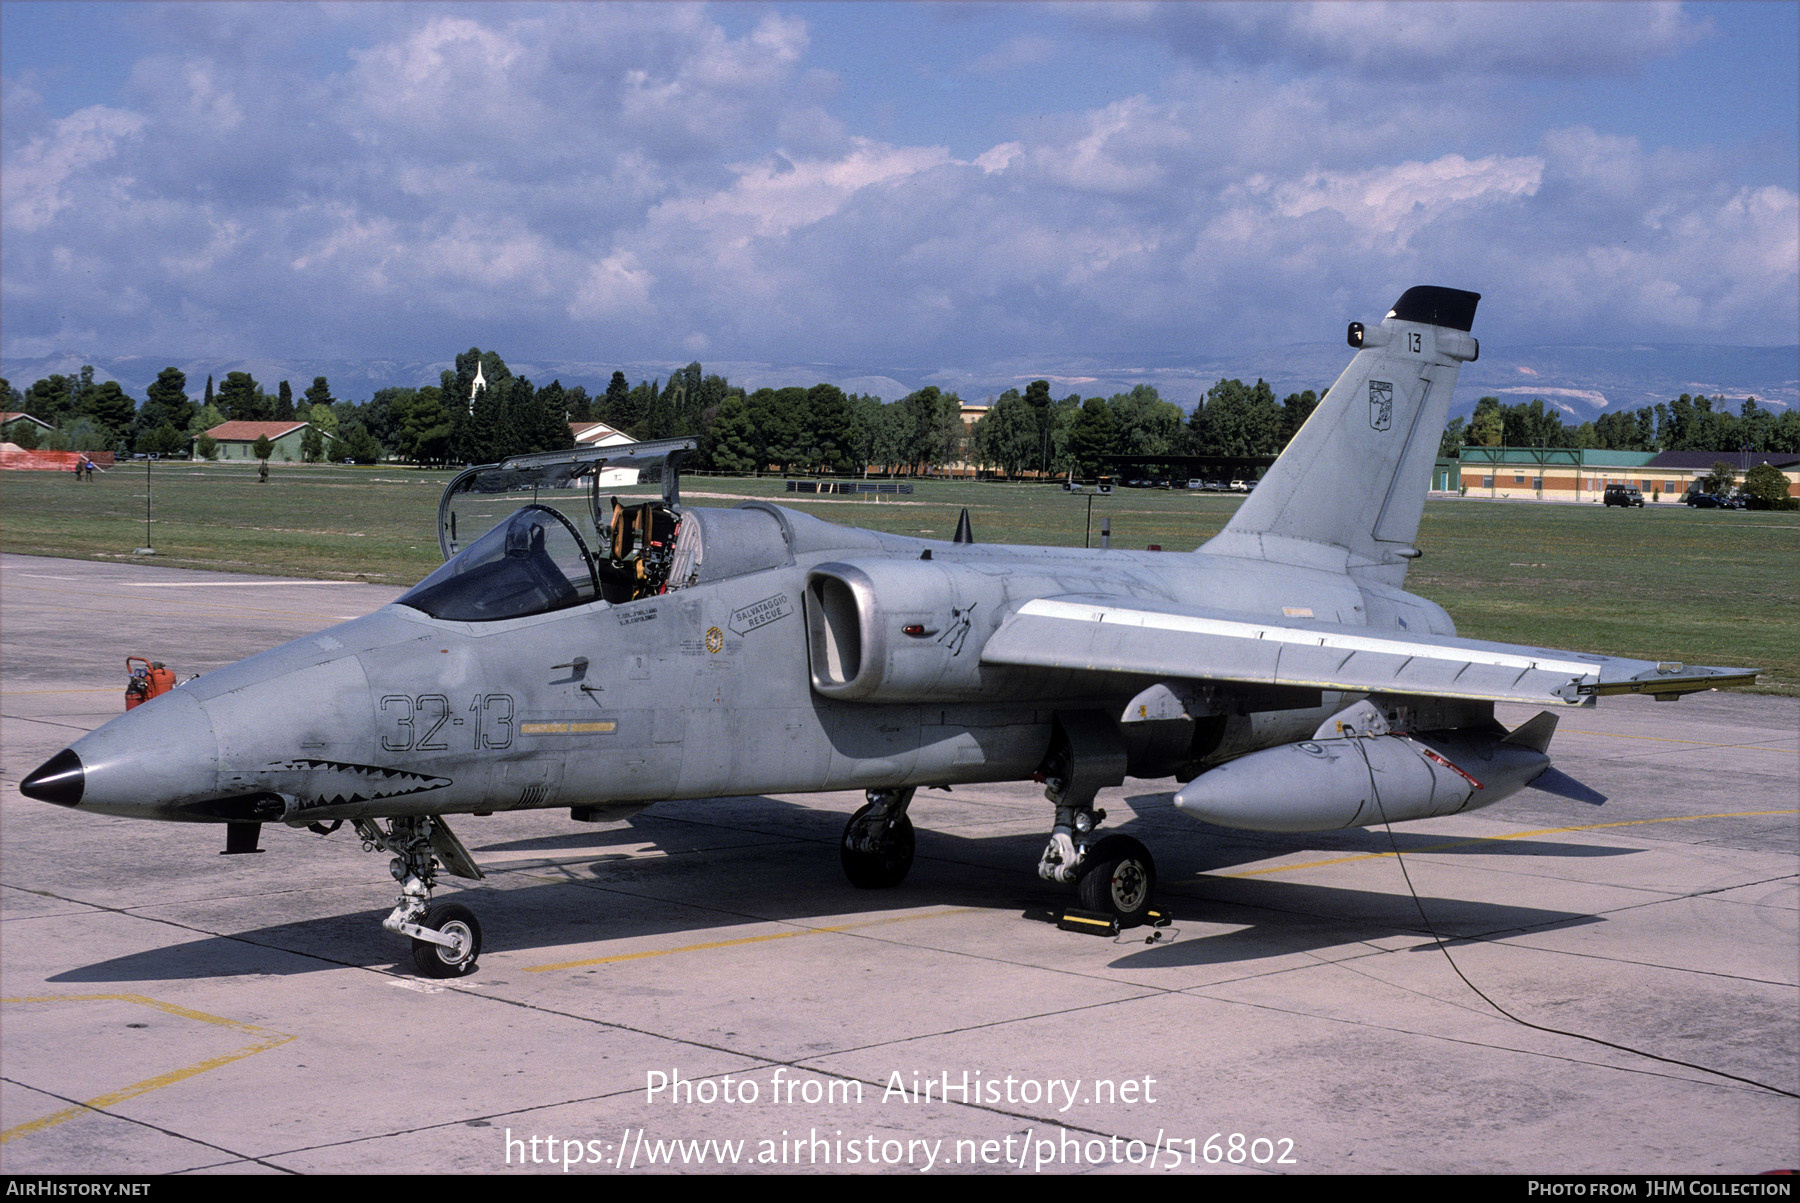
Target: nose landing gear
{"points": [[446, 939]]}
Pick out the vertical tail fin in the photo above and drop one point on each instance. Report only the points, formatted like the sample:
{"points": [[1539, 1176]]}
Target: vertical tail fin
{"points": [[1348, 491]]}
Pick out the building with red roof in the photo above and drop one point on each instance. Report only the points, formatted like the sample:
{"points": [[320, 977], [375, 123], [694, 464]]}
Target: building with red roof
{"points": [[237, 440]]}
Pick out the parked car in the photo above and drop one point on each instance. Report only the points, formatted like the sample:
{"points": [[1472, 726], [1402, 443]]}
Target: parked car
{"points": [[1706, 501], [1624, 495]]}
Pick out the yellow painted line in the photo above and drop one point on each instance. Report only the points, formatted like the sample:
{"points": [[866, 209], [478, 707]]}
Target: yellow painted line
{"points": [[562, 728], [1487, 839], [742, 940], [266, 1040]]}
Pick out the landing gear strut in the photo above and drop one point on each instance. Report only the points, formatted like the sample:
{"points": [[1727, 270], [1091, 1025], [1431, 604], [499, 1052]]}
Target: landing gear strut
{"points": [[877, 848], [446, 939], [1114, 875]]}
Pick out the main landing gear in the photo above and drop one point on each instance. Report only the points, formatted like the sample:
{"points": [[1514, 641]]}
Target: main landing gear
{"points": [[1113, 875], [446, 938], [877, 848]]}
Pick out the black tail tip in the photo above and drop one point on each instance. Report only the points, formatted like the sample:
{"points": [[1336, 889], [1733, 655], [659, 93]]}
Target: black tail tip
{"points": [[59, 779], [1437, 306]]}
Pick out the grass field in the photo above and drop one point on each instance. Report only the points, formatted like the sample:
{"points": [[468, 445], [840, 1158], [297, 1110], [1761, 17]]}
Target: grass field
{"points": [[1706, 586]]}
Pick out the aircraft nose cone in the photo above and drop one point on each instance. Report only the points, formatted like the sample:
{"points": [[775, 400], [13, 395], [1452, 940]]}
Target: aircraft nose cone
{"points": [[146, 763], [59, 779]]}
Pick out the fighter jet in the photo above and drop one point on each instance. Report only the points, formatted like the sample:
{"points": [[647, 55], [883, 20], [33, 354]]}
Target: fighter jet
{"points": [[589, 653]]}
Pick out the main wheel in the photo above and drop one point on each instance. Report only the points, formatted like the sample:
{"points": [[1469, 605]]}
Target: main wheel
{"points": [[1118, 878], [438, 960], [876, 861]]}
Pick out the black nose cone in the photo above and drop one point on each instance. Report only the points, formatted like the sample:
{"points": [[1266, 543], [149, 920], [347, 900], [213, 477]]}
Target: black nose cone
{"points": [[59, 779]]}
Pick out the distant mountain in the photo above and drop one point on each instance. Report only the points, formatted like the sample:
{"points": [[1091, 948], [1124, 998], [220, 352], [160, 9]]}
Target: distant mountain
{"points": [[1582, 381]]}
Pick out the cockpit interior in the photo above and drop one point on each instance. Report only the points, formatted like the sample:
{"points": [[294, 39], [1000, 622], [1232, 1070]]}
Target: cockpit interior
{"points": [[566, 546]]}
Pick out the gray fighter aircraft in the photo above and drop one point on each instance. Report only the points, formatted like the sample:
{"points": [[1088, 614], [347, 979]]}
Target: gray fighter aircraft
{"points": [[585, 653]]}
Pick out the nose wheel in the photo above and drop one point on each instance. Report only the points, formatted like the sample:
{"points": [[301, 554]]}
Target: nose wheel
{"points": [[456, 925]]}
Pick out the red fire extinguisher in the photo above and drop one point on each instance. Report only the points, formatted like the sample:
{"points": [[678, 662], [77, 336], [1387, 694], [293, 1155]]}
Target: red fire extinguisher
{"points": [[151, 679]]}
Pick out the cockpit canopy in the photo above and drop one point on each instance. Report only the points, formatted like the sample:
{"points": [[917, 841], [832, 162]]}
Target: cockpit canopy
{"points": [[574, 542], [531, 563]]}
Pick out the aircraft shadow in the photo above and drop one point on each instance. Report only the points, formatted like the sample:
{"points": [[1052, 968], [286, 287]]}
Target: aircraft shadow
{"points": [[776, 871]]}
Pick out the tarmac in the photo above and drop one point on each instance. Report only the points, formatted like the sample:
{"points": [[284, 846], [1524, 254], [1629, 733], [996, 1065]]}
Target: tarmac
{"points": [[1549, 986]]}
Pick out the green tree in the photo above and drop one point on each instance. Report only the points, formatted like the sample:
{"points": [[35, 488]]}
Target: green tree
{"points": [[1236, 419], [1487, 425], [1009, 435], [111, 409], [322, 416], [312, 445], [241, 399], [539, 418], [887, 437], [204, 419], [1720, 480], [734, 446], [1533, 425], [319, 393], [284, 403], [826, 431], [1767, 486], [164, 441], [614, 406], [165, 403], [1295, 409], [359, 445], [81, 433], [206, 447], [262, 448], [578, 405], [51, 399], [1093, 436], [1147, 425], [422, 424], [779, 418], [1452, 439]]}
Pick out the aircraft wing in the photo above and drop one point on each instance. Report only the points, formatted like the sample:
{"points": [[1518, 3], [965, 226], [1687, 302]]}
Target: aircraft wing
{"points": [[1109, 634]]}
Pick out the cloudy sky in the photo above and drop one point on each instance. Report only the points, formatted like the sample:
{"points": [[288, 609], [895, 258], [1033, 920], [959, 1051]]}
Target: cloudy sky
{"points": [[916, 185]]}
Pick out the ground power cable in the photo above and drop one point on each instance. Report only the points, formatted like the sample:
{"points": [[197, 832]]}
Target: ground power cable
{"points": [[1443, 947]]}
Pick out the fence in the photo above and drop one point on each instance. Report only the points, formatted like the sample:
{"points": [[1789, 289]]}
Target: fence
{"points": [[52, 461], [846, 486]]}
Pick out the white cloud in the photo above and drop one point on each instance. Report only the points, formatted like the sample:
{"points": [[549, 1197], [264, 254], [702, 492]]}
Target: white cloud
{"points": [[1026, 50], [638, 179], [73, 147], [1389, 203], [1571, 40]]}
